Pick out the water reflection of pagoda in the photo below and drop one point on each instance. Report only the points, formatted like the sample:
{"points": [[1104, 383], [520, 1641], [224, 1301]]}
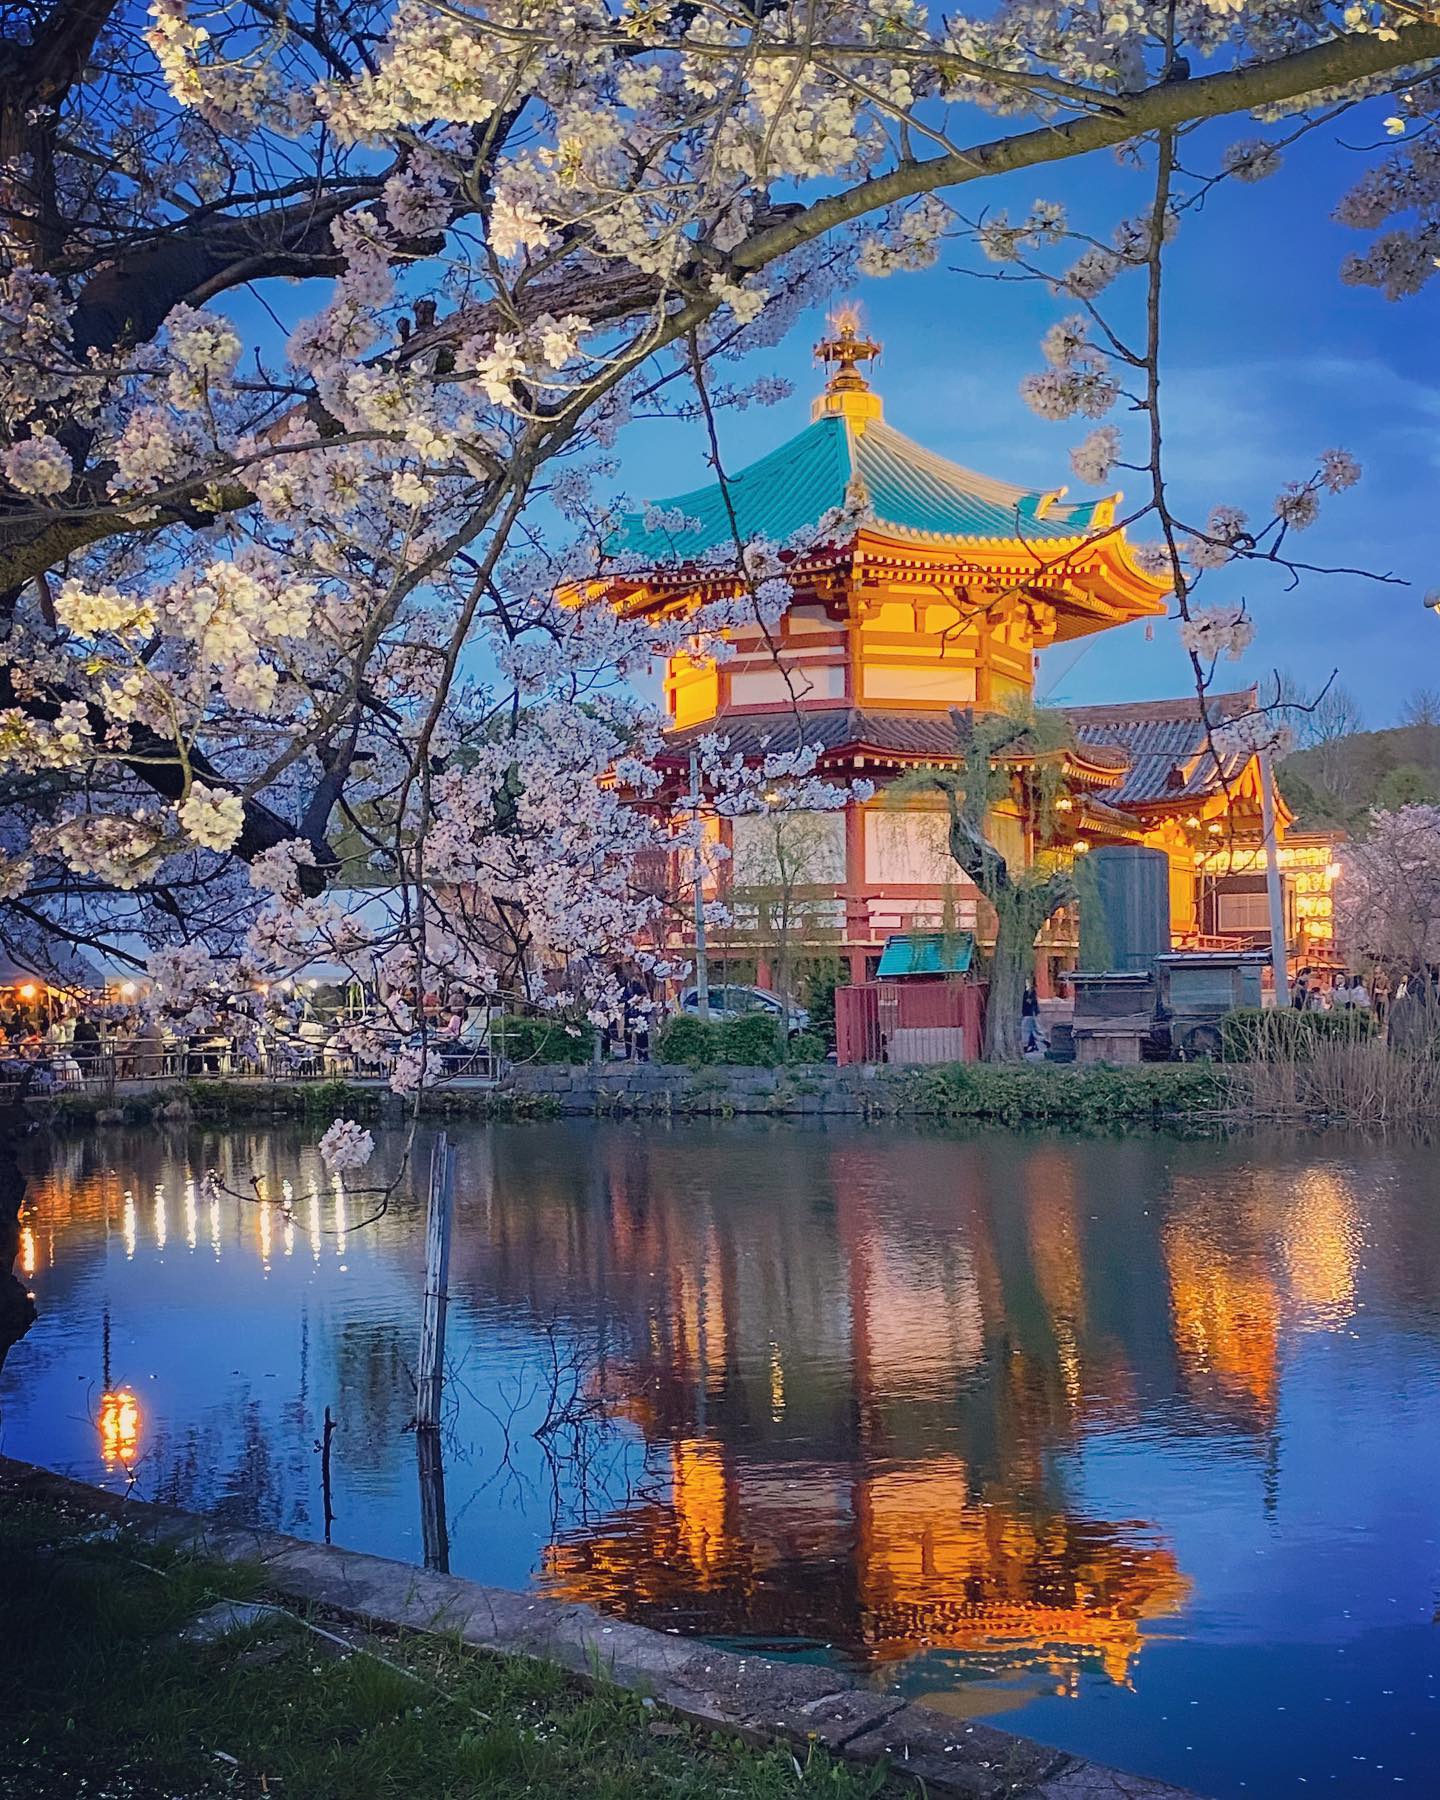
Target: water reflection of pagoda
{"points": [[862, 1402]]}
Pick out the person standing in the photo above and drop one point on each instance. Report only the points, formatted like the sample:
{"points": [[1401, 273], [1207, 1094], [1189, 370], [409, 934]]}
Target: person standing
{"points": [[1032, 1038], [85, 1045]]}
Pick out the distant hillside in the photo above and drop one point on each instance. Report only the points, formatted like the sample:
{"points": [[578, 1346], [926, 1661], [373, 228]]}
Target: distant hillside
{"points": [[1338, 782]]}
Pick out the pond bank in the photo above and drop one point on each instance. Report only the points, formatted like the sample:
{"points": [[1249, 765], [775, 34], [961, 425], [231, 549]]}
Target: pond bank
{"points": [[417, 1711], [1090, 1095]]}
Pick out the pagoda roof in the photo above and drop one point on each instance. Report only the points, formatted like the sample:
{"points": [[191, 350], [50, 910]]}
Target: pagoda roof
{"points": [[833, 732], [1136, 757], [879, 476], [1166, 742]]}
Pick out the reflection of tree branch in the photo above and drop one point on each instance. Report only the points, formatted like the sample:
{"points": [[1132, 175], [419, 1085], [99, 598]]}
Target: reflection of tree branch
{"points": [[17, 1307]]}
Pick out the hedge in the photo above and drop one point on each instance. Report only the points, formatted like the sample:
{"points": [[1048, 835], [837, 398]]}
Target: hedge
{"points": [[749, 1043], [523, 1040], [1281, 1034], [1078, 1095]]}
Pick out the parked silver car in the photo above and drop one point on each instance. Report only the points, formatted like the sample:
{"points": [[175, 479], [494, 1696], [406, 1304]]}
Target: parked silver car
{"points": [[733, 1000]]}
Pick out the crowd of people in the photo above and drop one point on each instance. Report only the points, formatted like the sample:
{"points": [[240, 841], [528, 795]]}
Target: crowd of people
{"points": [[55, 1041], [1345, 993], [59, 1041]]}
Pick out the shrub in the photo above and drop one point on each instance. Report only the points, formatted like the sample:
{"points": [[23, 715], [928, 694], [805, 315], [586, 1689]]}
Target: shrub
{"points": [[1253, 1034], [751, 1043], [686, 1039], [1086, 1096], [523, 1040], [819, 995]]}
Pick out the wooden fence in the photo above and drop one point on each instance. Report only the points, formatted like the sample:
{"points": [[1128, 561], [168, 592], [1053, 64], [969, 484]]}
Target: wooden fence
{"points": [[913, 1022]]}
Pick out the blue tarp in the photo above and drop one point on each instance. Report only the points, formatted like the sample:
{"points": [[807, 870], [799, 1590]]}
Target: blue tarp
{"points": [[926, 953]]}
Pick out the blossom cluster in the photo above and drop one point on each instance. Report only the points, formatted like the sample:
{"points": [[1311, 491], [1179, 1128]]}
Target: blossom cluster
{"points": [[346, 1145], [1214, 631]]}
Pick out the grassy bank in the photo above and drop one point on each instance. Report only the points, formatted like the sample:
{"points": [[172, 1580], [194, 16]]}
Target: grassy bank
{"points": [[108, 1700], [1083, 1096]]}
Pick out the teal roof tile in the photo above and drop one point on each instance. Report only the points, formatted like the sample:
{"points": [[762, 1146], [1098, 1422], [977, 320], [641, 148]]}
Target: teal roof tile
{"points": [[926, 953], [910, 491]]}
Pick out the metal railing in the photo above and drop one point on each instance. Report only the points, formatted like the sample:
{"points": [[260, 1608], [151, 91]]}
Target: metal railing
{"points": [[64, 1069]]}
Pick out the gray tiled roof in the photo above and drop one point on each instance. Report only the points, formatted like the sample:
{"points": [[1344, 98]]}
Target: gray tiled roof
{"points": [[931, 734], [1170, 759], [1159, 744], [841, 728]]}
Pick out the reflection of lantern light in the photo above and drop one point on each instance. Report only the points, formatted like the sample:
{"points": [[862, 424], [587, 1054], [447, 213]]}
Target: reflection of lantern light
{"points": [[119, 1427], [27, 1251]]}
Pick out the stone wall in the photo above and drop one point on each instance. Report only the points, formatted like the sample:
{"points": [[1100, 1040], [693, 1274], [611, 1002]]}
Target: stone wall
{"points": [[719, 1090]]}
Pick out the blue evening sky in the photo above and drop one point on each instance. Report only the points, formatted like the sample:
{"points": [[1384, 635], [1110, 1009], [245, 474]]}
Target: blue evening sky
{"points": [[1270, 360]]}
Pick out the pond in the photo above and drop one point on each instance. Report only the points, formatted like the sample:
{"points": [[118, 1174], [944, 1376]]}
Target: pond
{"points": [[1131, 1445]]}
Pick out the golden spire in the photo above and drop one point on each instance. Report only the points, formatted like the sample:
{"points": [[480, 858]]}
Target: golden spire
{"points": [[847, 392]]}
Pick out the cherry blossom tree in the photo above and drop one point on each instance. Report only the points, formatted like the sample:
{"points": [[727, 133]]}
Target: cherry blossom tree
{"points": [[305, 584], [1388, 895]]}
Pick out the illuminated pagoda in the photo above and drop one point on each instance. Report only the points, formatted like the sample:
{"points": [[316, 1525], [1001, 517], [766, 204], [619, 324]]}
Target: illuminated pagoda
{"points": [[934, 594]]}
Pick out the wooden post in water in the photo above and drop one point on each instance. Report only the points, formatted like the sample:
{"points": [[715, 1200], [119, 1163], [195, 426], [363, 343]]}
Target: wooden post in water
{"points": [[438, 1215], [325, 1489], [434, 1534]]}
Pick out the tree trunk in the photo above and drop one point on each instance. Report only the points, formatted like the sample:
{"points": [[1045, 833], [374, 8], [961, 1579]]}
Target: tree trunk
{"points": [[1008, 972]]}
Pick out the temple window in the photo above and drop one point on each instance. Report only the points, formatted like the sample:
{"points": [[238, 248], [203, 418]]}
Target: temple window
{"points": [[799, 848], [776, 685], [908, 847], [938, 684]]}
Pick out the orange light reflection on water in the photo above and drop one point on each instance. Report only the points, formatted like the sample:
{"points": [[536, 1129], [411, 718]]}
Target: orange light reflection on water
{"points": [[119, 1425]]}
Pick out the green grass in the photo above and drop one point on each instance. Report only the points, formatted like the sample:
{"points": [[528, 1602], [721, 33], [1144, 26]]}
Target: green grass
{"points": [[99, 1699], [1079, 1096]]}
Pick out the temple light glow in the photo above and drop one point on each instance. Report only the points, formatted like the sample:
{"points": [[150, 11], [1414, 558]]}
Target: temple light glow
{"points": [[119, 1426]]}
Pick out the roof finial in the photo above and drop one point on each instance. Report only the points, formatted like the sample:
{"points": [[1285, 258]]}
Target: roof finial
{"points": [[847, 392]]}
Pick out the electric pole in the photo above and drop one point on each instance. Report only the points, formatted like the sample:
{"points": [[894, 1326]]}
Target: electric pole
{"points": [[702, 969]]}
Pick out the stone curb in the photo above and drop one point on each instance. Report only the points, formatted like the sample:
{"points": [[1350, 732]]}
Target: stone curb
{"points": [[760, 1700]]}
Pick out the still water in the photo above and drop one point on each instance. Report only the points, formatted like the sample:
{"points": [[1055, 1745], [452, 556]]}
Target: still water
{"points": [[1131, 1445]]}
